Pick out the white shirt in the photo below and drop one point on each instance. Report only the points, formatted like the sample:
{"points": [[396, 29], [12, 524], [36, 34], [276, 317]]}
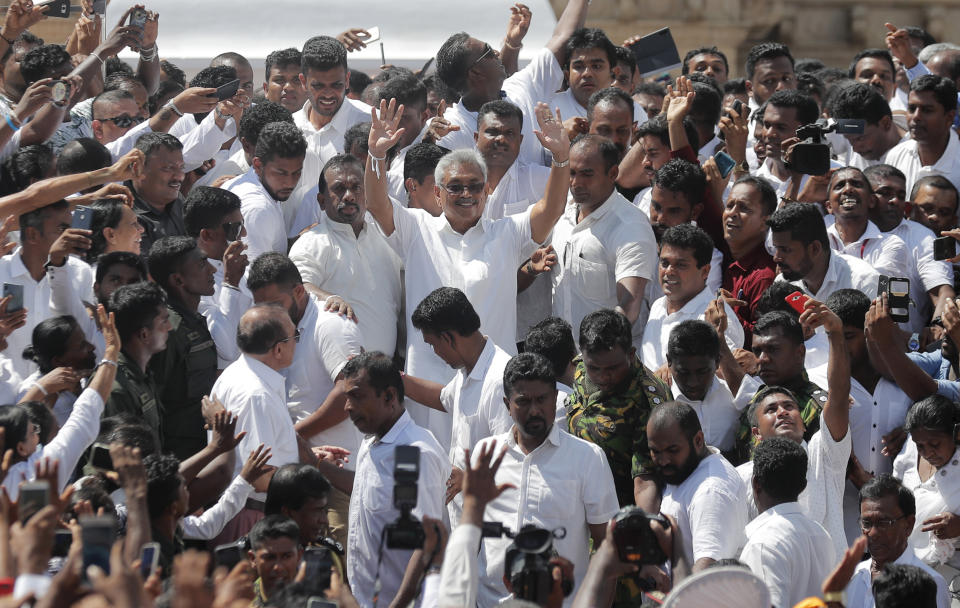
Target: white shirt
{"points": [[613, 243], [860, 589], [307, 214], [886, 252], [788, 551], [255, 393], [843, 272], [719, 416], [71, 289], [327, 341], [709, 509], [644, 199], [322, 145], [371, 506], [520, 187], [228, 162], [68, 446], [36, 299], [660, 323], [211, 522], [925, 272], [940, 493], [822, 499], [906, 158], [202, 141], [262, 213], [222, 311], [537, 81], [459, 576], [9, 381], [565, 482], [362, 269]]}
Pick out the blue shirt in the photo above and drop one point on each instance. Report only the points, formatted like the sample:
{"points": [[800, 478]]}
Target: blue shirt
{"points": [[938, 368]]}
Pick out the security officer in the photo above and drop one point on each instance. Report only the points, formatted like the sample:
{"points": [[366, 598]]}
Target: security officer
{"points": [[187, 369]]}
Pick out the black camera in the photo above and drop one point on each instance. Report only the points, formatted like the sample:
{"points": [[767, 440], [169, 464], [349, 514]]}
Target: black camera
{"points": [[811, 156], [527, 562], [407, 531], [634, 538]]}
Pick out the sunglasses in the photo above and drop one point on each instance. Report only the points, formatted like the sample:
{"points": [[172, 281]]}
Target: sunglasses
{"points": [[231, 230], [460, 189], [487, 49], [123, 121]]}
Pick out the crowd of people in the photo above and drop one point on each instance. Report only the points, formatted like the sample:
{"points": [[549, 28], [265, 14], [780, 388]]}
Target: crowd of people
{"points": [[477, 334]]}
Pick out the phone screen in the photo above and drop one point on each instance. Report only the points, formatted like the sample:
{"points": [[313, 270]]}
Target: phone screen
{"points": [[33, 497], [149, 556], [98, 534], [16, 296], [100, 457]]}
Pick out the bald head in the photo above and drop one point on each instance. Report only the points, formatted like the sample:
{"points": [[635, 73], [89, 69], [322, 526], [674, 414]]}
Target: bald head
{"points": [[261, 327]]}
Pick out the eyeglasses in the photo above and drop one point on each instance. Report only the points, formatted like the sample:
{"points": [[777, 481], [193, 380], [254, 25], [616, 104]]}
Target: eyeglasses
{"points": [[880, 524], [231, 230], [123, 121], [295, 337], [487, 49], [36, 428], [461, 189]]}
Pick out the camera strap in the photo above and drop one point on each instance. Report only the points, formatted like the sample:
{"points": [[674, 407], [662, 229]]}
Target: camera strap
{"points": [[376, 582]]}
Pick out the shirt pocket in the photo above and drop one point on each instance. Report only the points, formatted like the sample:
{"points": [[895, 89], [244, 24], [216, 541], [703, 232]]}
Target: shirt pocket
{"points": [[591, 279], [378, 496], [557, 500], [465, 426]]}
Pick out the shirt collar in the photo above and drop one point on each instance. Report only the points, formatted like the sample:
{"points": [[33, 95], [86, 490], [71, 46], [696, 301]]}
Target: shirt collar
{"points": [[393, 435], [870, 232], [338, 123], [949, 155], [695, 306], [706, 396], [596, 215], [759, 257], [340, 227], [783, 509], [17, 267], [266, 374], [483, 361], [553, 438]]}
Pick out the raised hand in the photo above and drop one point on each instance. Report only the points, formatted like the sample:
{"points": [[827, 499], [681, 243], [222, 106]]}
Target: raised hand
{"points": [[551, 134], [210, 407], [6, 226], [108, 327], [223, 427], [196, 100], [332, 454], [354, 38], [838, 580], [35, 97], [234, 263], [128, 464], [384, 133], [736, 130], [898, 41], [256, 468], [129, 166], [439, 126], [10, 321], [71, 240], [816, 313], [518, 25], [150, 30], [680, 99], [543, 259], [21, 16], [479, 481]]}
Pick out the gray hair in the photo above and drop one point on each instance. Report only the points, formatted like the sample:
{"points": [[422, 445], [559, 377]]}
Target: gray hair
{"points": [[932, 49], [464, 156]]}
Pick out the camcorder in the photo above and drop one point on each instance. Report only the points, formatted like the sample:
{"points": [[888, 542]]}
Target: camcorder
{"points": [[527, 562], [636, 542], [407, 531], [811, 156]]}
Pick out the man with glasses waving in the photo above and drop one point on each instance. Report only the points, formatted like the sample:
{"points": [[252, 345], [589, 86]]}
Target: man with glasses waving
{"points": [[887, 515]]}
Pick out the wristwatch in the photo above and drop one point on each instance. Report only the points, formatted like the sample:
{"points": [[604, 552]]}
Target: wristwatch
{"points": [[742, 167], [914, 342]]}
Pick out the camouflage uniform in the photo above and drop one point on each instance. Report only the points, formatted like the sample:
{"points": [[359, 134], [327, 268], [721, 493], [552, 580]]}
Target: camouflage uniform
{"points": [[617, 422], [811, 400]]}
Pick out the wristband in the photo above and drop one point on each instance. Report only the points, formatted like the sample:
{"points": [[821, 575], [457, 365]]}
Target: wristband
{"points": [[511, 47], [99, 58], [384, 157], [560, 165], [173, 107], [10, 122], [7, 40], [108, 362], [835, 596], [40, 388], [220, 115]]}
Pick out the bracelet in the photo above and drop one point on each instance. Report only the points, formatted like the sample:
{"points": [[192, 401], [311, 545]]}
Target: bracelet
{"points": [[173, 107], [7, 40], [834, 596], [511, 47], [529, 267], [384, 157], [10, 122], [40, 388], [108, 362], [150, 55], [97, 55], [220, 115], [560, 165]]}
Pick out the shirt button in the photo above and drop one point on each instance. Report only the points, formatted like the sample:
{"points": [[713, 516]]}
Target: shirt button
{"points": [[873, 449], [954, 462], [943, 472], [874, 426]]}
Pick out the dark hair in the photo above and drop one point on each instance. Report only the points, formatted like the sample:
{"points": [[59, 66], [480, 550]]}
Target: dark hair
{"points": [[886, 484], [110, 97], [115, 65], [883, 171], [163, 482], [121, 80], [552, 338], [106, 213], [281, 59], [765, 51], [446, 309], [851, 305], [679, 413], [273, 527], [166, 91], [359, 81], [41, 415], [35, 218], [915, 31], [406, 89], [206, 207], [604, 330], [608, 150], [882, 54], [148, 143], [273, 268], [382, 372], [95, 493], [707, 104], [763, 393], [626, 57], [735, 86], [859, 100], [803, 221], [292, 485], [166, 257], [934, 413], [501, 108], [933, 181], [788, 324], [768, 195], [830, 77], [703, 50], [323, 53], [49, 341], [259, 116], [13, 421], [135, 307], [611, 96], [132, 433], [81, 155], [651, 88], [693, 338], [24, 39], [657, 127], [805, 105], [780, 468], [527, 366], [807, 64], [173, 72], [773, 298], [899, 585], [337, 162], [40, 62], [453, 62], [280, 139], [25, 166], [260, 336], [422, 159], [590, 38], [212, 77], [687, 178], [944, 90], [690, 237], [108, 260], [440, 89], [357, 134], [811, 85]]}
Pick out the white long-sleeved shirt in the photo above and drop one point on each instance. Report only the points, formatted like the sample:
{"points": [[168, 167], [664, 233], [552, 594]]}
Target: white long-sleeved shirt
{"points": [[212, 521], [460, 574]]}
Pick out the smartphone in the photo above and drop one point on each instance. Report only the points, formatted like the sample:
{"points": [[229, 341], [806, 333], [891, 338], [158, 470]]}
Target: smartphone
{"points": [[138, 18], [228, 90], [58, 8], [34, 496], [797, 300], [149, 557], [82, 218], [100, 457], [944, 248], [898, 298], [321, 602], [228, 555], [724, 162], [16, 296], [62, 539], [98, 534], [318, 563], [374, 34], [100, 7]]}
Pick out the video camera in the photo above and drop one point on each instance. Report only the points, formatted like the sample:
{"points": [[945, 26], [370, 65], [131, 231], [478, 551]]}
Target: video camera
{"points": [[811, 156], [527, 563], [407, 531]]}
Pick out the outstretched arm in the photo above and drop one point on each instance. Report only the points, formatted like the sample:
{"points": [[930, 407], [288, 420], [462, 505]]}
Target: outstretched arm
{"points": [[881, 329], [545, 213], [571, 19], [836, 411], [383, 135]]}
